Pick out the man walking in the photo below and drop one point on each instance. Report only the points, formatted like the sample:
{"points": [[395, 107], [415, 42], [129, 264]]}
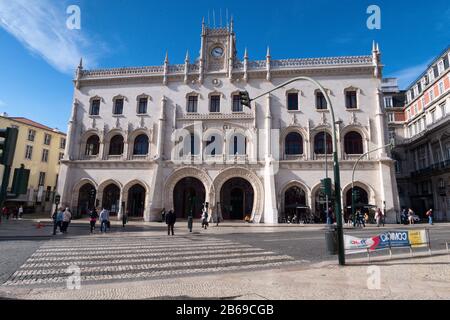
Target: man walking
{"points": [[170, 221], [104, 219], [67, 216], [378, 217], [430, 216]]}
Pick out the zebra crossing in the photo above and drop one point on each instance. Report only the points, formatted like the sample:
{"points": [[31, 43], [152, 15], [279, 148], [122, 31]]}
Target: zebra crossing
{"points": [[137, 258]]}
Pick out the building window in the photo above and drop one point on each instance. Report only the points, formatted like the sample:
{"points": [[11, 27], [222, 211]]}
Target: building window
{"points": [[436, 71], [31, 135], [118, 106], [391, 117], [142, 108], [192, 104], [320, 140], [353, 143], [292, 101], [41, 178], [237, 106], [92, 146], [351, 100], [419, 88], [95, 107], [388, 102], [62, 143], [47, 139], [61, 156], [443, 111], [441, 66], [29, 153], [45, 155], [214, 104], [141, 145], [433, 115], [116, 146], [293, 144], [321, 102], [446, 65], [441, 87]]}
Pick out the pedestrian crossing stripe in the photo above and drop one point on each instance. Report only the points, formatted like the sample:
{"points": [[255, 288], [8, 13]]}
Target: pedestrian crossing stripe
{"points": [[149, 258]]}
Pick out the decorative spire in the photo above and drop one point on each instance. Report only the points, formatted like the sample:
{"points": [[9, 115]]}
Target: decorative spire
{"points": [[231, 24], [268, 65], [374, 46], [80, 66], [166, 60], [245, 54], [268, 52], [187, 57]]}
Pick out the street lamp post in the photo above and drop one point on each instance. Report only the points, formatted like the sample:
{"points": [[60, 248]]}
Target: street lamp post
{"points": [[337, 177], [354, 169]]}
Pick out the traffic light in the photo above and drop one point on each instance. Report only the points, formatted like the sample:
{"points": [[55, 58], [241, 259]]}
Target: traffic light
{"points": [[8, 145], [245, 98], [326, 186]]}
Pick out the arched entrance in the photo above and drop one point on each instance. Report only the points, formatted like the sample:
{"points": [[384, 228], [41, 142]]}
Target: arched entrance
{"points": [[237, 198], [111, 198], [136, 201], [320, 204], [189, 196], [361, 200], [295, 204], [86, 198]]}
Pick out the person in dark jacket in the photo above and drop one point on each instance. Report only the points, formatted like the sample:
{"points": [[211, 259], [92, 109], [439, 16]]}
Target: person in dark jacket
{"points": [[170, 221], [93, 216]]}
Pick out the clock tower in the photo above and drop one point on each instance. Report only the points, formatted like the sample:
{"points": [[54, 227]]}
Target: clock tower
{"points": [[218, 50]]}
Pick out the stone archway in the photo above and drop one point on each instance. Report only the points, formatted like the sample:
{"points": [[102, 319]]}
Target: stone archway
{"points": [[258, 189], [286, 198], [187, 172], [76, 192]]}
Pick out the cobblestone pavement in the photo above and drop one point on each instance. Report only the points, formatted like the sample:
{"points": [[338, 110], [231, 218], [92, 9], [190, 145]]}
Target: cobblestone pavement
{"points": [[104, 258]]}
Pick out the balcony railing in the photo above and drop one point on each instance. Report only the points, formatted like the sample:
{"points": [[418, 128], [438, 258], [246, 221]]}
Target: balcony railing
{"points": [[443, 165], [293, 157]]}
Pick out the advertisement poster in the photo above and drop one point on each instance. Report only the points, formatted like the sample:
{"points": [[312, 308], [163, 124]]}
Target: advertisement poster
{"points": [[393, 239]]}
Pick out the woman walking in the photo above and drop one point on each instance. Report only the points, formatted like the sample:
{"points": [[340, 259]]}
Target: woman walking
{"points": [[93, 219]]}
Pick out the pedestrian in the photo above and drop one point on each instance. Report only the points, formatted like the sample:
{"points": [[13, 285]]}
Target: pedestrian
{"points": [[20, 211], [124, 219], [170, 221], [163, 215], [411, 216], [429, 214], [16, 213], [378, 216], [5, 212], [404, 216], [104, 220], [55, 225], [205, 219], [67, 216], [59, 220], [93, 216]]}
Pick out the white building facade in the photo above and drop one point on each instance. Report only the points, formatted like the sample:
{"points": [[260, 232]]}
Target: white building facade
{"points": [[175, 136]]}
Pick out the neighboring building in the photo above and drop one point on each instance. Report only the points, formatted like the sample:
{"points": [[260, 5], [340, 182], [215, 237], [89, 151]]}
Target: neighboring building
{"points": [[39, 148], [130, 148], [423, 142]]}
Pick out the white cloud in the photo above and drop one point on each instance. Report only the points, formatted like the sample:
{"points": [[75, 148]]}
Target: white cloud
{"points": [[408, 75], [41, 27]]}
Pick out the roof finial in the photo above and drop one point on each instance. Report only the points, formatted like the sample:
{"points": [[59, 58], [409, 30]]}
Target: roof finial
{"points": [[231, 24], [187, 56], [80, 66], [374, 46], [245, 54], [166, 60], [268, 52], [378, 47]]}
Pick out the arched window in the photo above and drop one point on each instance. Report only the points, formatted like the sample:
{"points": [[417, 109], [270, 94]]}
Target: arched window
{"points": [[320, 140], [353, 143], [212, 139], [92, 146], [116, 146], [293, 144], [141, 145]]}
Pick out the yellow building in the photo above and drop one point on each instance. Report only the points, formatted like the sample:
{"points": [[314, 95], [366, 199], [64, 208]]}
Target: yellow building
{"points": [[39, 148]]}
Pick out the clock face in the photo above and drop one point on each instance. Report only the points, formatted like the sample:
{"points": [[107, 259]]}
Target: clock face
{"points": [[217, 52]]}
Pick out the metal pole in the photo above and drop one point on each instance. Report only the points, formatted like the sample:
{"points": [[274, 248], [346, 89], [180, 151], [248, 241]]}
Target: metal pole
{"points": [[337, 177]]}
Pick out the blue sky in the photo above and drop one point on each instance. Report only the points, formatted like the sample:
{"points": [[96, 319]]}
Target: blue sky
{"points": [[38, 54]]}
